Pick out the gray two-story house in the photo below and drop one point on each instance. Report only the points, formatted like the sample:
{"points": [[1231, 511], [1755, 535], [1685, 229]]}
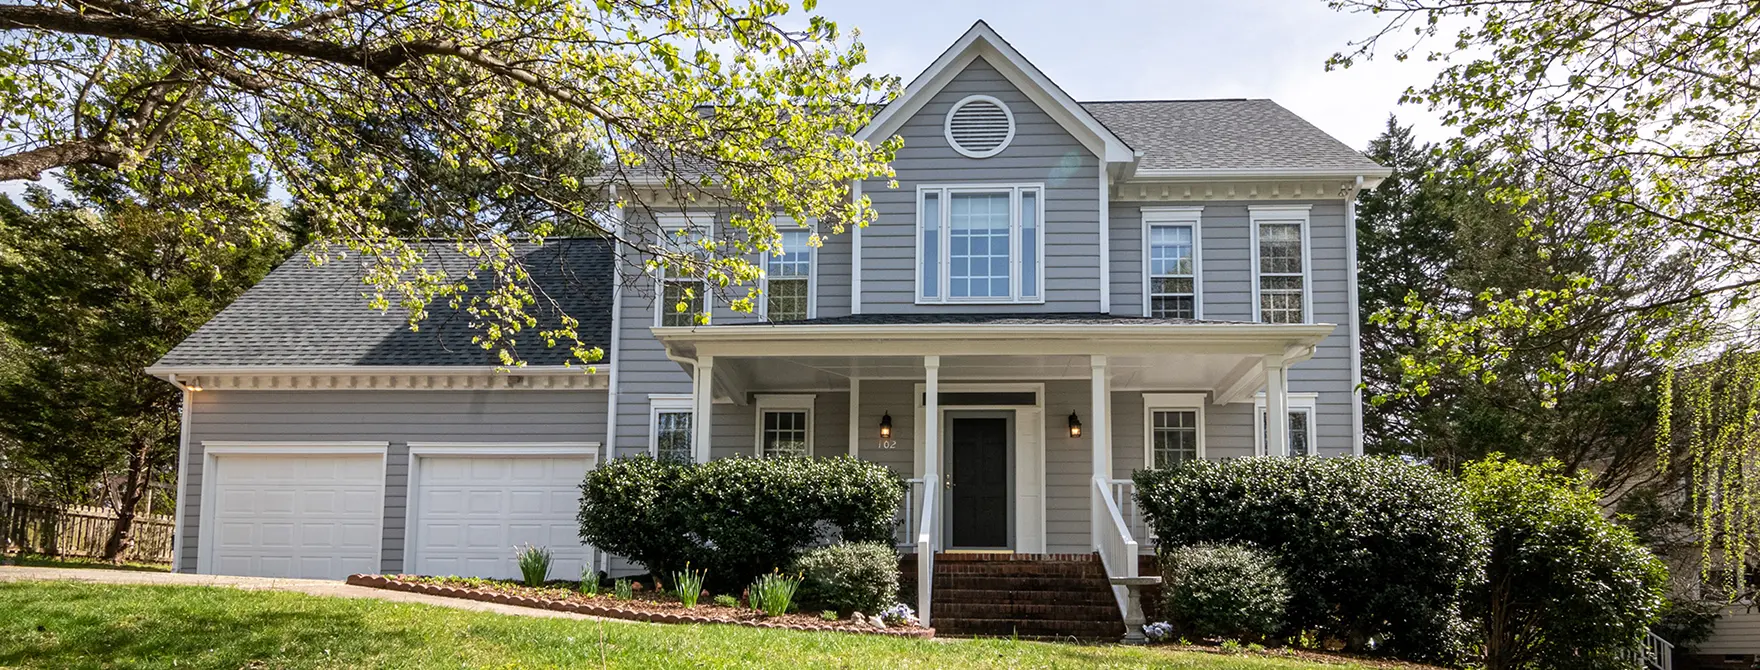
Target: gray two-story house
{"points": [[1056, 294]]}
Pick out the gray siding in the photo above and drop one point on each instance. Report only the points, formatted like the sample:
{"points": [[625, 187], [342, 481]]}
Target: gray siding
{"points": [[1041, 152], [736, 427], [397, 417]]}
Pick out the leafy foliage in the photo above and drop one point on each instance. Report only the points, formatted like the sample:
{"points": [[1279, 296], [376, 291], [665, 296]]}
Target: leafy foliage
{"points": [[736, 517], [688, 584], [473, 118], [1372, 547], [534, 564], [848, 577], [1564, 586], [1223, 591], [773, 594]]}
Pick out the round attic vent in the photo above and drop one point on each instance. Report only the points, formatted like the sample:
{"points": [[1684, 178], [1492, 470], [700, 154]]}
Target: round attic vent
{"points": [[979, 126]]}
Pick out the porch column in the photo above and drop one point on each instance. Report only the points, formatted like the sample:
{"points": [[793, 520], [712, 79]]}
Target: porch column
{"points": [[855, 417], [932, 420], [702, 407], [1100, 428], [1276, 407]]}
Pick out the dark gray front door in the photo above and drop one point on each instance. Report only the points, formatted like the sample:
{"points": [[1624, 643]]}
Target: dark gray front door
{"points": [[978, 482]]}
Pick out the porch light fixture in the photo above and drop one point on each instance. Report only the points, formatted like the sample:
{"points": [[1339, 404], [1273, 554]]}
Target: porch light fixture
{"points": [[1075, 425], [886, 426]]}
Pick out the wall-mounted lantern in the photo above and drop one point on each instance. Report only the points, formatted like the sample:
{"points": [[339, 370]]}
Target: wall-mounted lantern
{"points": [[886, 426], [1075, 425]]}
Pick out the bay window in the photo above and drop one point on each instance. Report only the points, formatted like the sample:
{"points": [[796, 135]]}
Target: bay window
{"points": [[980, 244]]}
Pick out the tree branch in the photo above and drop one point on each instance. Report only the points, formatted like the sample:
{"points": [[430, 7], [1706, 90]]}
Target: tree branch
{"points": [[31, 164]]}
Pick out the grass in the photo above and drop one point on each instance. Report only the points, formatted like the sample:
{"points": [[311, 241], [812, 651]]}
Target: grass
{"points": [[76, 625], [39, 561]]}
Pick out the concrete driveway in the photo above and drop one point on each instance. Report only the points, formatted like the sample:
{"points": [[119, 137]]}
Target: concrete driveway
{"points": [[316, 587]]}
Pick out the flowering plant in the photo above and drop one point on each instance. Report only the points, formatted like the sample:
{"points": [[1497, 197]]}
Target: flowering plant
{"points": [[899, 615], [1159, 631]]}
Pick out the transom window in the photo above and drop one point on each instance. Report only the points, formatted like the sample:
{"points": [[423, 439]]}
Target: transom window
{"points": [[1281, 263], [1301, 425], [788, 276], [1171, 262], [670, 434], [980, 244], [1174, 427], [785, 426]]}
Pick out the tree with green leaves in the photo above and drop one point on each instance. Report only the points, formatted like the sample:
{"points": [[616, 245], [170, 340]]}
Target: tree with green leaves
{"points": [[100, 286], [736, 104], [1644, 110]]}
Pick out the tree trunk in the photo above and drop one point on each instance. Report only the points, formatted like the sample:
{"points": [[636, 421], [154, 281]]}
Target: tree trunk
{"points": [[134, 487]]}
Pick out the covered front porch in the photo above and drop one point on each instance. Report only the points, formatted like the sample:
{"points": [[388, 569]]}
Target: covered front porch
{"points": [[1017, 436]]}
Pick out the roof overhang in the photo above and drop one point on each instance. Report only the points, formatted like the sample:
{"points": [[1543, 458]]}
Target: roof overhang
{"points": [[382, 377], [982, 42]]}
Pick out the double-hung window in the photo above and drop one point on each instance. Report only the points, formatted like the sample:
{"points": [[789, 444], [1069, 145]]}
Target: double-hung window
{"points": [[788, 277], [1280, 263], [980, 244], [1171, 262], [683, 299], [669, 437], [1174, 426], [785, 426], [1301, 426]]}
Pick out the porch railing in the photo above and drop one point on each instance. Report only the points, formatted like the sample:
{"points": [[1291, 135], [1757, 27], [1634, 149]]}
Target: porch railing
{"points": [[926, 549], [1653, 653], [1124, 492], [905, 525], [1118, 548]]}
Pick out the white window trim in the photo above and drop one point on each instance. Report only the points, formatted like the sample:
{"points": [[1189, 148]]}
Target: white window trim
{"points": [[672, 222], [947, 126], [1299, 214], [943, 263], [1177, 216], [671, 403], [781, 402], [1298, 402], [812, 270], [1153, 402]]}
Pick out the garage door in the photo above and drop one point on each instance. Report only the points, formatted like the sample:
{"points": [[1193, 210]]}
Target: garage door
{"points": [[307, 516], [471, 511]]}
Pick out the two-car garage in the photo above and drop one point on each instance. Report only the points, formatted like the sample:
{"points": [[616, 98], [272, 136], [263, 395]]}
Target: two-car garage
{"points": [[321, 510]]}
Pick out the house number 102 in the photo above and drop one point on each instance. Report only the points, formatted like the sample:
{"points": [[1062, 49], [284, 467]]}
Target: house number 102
{"points": [[889, 444]]}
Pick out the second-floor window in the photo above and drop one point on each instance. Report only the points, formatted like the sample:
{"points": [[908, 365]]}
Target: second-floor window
{"points": [[683, 299], [1171, 262], [980, 244], [1280, 264], [788, 277]]}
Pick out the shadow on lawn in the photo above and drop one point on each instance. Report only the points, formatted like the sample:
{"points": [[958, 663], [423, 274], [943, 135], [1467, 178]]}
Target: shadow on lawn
{"points": [[77, 624]]}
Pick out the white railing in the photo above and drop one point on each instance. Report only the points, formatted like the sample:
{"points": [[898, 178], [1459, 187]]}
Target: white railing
{"points": [[1653, 653], [905, 535], [1118, 548], [926, 549], [1124, 493]]}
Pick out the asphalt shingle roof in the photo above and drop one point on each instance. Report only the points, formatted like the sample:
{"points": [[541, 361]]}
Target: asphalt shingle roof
{"points": [[1224, 135], [985, 319], [306, 315]]}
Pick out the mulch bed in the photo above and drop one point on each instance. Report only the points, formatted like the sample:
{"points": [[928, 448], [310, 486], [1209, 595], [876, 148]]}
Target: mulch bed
{"points": [[644, 607]]}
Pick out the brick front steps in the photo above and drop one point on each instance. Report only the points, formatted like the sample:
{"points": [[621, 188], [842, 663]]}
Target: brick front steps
{"points": [[1036, 596], [594, 608]]}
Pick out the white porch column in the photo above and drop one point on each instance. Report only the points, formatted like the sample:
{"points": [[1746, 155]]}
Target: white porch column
{"points": [[1276, 407], [855, 417], [932, 419], [702, 407], [933, 491], [1100, 431]]}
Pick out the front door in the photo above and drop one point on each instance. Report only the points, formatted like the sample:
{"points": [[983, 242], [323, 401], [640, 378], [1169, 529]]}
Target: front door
{"points": [[977, 481]]}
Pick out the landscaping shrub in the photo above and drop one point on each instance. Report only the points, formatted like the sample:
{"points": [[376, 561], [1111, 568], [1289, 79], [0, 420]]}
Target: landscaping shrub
{"points": [[773, 594], [851, 577], [1223, 591], [737, 518], [534, 564], [1374, 549], [1564, 587]]}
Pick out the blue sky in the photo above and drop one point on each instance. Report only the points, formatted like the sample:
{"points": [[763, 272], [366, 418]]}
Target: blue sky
{"points": [[1159, 49]]}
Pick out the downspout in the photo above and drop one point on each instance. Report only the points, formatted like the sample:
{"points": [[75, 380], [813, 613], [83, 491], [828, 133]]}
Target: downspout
{"points": [[612, 420], [182, 474], [1356, 339]]}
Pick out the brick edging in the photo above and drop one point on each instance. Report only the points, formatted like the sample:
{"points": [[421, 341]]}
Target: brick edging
{"points": [[592, 609]]}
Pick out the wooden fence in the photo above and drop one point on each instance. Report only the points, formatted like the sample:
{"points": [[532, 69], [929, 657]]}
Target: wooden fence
{"points": [[54, 531]]}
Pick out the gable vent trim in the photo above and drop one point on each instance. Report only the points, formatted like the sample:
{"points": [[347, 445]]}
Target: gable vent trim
{"points": [[979, 126]]}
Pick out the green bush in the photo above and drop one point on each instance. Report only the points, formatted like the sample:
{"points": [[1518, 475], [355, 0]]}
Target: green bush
{"points": [[1565, 587], [737, 518], [1223, 591], [1378, 553], [850, 577], [773, 594]]}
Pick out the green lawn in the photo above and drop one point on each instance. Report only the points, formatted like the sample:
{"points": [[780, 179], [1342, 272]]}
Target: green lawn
{"points": [[71, 625], [38, 561]]}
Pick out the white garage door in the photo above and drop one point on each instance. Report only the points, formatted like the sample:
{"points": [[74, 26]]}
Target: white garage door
{"points": [[470, 513], [313, 517]]}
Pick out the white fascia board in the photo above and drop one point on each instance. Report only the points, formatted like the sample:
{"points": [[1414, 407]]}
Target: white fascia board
{"points": [[164, 370], [1370, 175], [981, 40], [583, 449]]}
